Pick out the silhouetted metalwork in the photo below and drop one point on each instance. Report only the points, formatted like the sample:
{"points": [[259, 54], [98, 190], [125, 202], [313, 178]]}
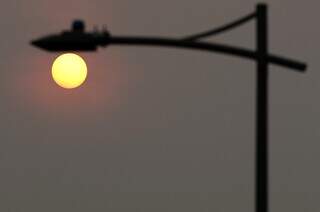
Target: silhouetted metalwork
{"points": [[223, 28], [75, 40], [262, 111], [79, 40]]}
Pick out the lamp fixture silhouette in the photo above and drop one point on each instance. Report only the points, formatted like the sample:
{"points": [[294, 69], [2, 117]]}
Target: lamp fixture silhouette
{"points": [[79, 40]]}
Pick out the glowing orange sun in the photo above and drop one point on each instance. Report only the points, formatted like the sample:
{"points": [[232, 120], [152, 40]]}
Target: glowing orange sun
{"points": [[69, 70]]}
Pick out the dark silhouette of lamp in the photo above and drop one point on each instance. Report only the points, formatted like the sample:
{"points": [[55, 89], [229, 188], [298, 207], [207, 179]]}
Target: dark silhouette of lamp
{"points": [[79, 40]]}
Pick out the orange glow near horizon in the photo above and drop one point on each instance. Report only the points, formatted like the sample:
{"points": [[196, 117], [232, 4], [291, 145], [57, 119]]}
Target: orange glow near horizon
{"points": [[69, 71]]}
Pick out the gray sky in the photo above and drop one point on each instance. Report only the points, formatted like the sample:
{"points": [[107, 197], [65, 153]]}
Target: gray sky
{"points": [[155, 129]]}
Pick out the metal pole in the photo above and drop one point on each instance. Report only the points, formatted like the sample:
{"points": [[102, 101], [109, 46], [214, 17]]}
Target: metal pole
{"points": [[261, 168]]}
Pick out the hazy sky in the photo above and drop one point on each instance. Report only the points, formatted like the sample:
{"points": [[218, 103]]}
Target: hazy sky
{"points": [[155, 129]]}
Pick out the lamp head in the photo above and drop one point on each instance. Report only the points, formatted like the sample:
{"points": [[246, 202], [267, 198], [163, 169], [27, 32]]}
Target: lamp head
{"points": [[74, 40]]}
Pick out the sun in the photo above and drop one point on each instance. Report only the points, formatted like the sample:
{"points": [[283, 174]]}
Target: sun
{"points": [[69, 70]]}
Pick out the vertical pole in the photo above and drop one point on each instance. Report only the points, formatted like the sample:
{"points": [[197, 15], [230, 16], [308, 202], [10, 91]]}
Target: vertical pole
{"points": [[261, 166]]}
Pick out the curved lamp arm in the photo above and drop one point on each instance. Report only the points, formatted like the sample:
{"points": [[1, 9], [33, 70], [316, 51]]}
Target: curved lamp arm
{"points": [[204, 46]]}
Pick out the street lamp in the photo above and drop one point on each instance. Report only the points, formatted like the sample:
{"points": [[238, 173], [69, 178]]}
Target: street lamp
{"points": [[79, 40]]}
